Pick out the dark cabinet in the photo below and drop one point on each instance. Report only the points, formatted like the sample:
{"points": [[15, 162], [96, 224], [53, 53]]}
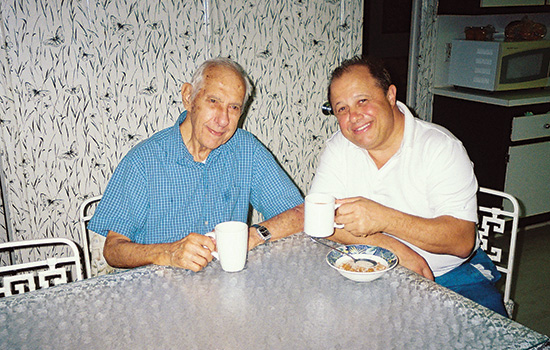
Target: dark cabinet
{"points": [[473, 7], [509, 146]]}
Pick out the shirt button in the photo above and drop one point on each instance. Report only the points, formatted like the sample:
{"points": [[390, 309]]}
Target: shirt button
{"points": [[206, 223]]}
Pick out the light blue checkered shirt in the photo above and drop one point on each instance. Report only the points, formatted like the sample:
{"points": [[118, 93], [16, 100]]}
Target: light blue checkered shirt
{"points": [[159, 194]]}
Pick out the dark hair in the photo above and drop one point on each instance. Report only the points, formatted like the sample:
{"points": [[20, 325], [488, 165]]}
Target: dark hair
{"points": [[373, 64]]}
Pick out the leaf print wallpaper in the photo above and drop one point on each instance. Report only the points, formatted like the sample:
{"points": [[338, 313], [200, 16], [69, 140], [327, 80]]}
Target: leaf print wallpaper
{"points": [[83, 81], [426, 59], [4, 255]]}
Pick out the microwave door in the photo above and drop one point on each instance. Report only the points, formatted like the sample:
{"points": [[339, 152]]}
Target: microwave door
{"points": [[526, 69]]}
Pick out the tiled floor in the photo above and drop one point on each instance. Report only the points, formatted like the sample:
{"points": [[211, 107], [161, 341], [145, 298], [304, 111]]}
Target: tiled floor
{"points": [[531, 284]]}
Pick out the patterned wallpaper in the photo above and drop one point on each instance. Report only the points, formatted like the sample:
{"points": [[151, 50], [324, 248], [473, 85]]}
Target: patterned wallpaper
{"points": [[83, 81], [426, 41], [4, 257]]}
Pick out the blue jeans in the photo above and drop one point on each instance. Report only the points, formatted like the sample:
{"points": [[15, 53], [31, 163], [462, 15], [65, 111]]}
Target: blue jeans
{"points": [[469, 282]]}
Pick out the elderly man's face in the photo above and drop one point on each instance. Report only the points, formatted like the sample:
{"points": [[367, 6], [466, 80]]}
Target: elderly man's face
{"points": [[364, 111], [215, 111]]}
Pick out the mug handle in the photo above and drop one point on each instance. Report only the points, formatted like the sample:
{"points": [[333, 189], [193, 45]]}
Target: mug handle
{"points": [[214, 253], [336, 206]]}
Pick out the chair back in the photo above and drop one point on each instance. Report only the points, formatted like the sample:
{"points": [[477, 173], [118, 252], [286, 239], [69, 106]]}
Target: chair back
{"points": [[21, 277], [86, 212], [497, 229]]}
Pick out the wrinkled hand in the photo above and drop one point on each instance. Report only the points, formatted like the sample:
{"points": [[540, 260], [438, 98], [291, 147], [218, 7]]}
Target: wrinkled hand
{"points": [[192, 252], [361, 217]]}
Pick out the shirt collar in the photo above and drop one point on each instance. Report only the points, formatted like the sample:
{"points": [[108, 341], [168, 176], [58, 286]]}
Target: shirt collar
{"points": [[408, 131], [176, 150]]}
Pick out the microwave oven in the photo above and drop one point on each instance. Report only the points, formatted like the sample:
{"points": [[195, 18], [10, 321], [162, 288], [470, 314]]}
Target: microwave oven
{"points": [[500, 65]]}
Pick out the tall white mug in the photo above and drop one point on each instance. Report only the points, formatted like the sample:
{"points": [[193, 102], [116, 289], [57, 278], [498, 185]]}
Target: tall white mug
{"points": [[232, 244], [319, 215]]}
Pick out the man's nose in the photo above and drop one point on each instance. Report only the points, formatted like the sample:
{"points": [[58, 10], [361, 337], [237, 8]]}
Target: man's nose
{"points": [[223, 117], [354, 115]]}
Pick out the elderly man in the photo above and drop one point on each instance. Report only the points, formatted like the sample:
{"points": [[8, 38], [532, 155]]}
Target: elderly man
{"points": [[174, 187], [403, 183]]}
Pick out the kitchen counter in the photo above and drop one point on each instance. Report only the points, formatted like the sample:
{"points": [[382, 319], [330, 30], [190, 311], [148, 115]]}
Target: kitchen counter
{"points": [[508, 144], [503, 98]]}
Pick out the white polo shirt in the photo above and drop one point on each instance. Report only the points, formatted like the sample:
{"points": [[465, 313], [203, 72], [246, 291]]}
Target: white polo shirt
{"points": [[429, 176]]}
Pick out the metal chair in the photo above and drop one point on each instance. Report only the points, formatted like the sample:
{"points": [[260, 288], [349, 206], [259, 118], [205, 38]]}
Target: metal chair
{"points": [[497, 228], [21, 277], [86, 214]]}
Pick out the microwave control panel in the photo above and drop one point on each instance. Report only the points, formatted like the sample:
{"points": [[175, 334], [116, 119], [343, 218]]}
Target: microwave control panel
{"points": [[474, 64]]}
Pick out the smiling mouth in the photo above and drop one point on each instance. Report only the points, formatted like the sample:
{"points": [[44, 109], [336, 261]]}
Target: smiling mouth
{"points": [[215, 133], [364, 127]]}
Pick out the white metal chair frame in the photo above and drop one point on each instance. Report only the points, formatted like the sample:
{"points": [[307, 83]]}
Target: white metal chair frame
{"points": [[494, 220], [84, 236], [54, 273]]}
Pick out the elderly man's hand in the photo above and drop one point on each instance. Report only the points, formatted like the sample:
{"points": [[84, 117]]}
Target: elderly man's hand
{"points": [[361, 217], [193, 252]]}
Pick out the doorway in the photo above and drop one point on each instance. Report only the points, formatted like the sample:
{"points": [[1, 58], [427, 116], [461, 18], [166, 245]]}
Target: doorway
{"points": [[386, 33]]}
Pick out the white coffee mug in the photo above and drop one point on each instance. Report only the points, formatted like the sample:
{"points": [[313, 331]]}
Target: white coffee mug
{"points": [[231, 244], [319, 215]]}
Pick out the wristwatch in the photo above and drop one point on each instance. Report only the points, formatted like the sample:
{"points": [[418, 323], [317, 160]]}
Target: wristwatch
{"points": [[263, 232]]}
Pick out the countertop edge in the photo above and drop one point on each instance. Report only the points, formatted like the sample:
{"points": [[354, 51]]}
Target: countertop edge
{"points": [[506, 99]]}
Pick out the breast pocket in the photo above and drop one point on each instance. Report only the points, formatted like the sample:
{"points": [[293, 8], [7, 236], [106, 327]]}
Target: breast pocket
{"points": [[233, 205]]}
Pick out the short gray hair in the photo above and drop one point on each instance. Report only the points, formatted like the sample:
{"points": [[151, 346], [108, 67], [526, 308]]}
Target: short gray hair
{"points": [[197, 81]]}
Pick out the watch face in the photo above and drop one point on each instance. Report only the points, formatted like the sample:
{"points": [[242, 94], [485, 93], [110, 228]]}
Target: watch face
{"points": [[263, 232]]}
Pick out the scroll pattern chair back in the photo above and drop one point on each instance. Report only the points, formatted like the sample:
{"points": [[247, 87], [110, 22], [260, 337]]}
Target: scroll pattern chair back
{"points": [[19, 278], [498, 240]]}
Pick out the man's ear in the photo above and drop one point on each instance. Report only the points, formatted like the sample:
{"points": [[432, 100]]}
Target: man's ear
{"points": [[391, 95], [186, 91]]}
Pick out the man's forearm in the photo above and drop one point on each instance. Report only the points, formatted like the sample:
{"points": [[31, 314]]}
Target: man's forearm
{"points": [[378, 239], [441, 235], [287, 223], [119, 251]]}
